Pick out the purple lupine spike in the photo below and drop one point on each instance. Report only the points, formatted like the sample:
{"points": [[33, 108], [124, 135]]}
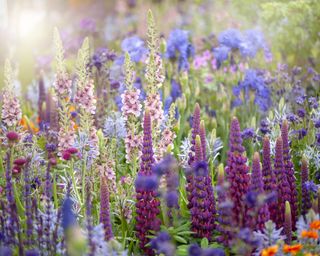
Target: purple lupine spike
{"points": [[256, 186], [203, 140], [305, 194], [283, 187], [41, 100], [202, 206], [237, 173], [198, 150], [287, 226], [195, 132], [28, 202], [105, 209], [52, 113], [288, 165], [147, 205], [91, 244], [224, 210], [48, 193], [269, 178]]}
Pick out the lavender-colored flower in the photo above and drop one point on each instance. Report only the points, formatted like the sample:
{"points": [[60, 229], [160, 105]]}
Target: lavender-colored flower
{"points": [[237, 173], [264, 126], [147, 205], [305, 193], [105, 209], [68, 217], [288, 165], [248, 133], [283, 187], [135, 47], [231, 38], [100, 57], [221, 54], [179, 46], [163, 245], [114, 126]]}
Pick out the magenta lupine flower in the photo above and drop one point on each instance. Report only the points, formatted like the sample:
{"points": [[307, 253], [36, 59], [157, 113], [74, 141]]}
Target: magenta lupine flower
{"points": [[85, 97], [105, 209], [287, 226], [283, 187], [131, 104], [256, 186], [147, 205], [305, 193], [237, 173], [11, 112], [288, 165], [202, 203], [269, 178]]}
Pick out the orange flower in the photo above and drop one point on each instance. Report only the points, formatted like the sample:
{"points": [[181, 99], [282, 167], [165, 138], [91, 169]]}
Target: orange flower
{"points": [[309, 234], [315, 224], [292, 248], [270, 251]]}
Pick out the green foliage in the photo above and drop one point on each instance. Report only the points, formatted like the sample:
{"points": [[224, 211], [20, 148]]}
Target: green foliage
{"points": [[82, 62], [294, 27], [129, 69]]}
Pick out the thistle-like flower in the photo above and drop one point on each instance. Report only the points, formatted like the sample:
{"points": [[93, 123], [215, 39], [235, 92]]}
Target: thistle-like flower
{"points": [[237, 173], [305, 193], [11, 111], [147, 205], [283, 188], [288, 165]]}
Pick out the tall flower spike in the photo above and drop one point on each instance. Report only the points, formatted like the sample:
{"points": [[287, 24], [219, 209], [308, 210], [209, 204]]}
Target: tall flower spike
{"points": [[288, 165], [288, 223], [269, 178], [203, 140], [147, 205], [202, 202], [237, 173], [224, 210], [195, 132], [283, 188], [305, 194], [257, 187], [11, 112], [105, 209]]}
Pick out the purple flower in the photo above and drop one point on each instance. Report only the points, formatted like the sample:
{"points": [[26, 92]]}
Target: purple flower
{"points": [[311, 187], [88, 25], [301, 112], [221, 54], [305, 187], [105, 209], [68, 216], [147, 183], [237, 172], [264, 126], [231, 38], [135, 47], [162, 244], [313, 102], [248, 133], [101, 57]]}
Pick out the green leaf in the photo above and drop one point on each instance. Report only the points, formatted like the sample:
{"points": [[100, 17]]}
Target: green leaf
{"points": [[204, 243], [180, 239]]}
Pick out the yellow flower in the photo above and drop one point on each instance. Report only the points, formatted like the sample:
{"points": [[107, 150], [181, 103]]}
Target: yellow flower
{"points": [[270, 251]]}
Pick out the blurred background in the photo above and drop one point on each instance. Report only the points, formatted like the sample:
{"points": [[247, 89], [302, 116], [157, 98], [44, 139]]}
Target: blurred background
{"points": [[26, 26]]}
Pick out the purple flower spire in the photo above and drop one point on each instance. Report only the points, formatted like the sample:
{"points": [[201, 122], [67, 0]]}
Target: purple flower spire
{"points": [[105, 209], [283, 187], [237, 173], [224, 210], [147, 205], [287, 227], [195, 132], [203, 140], [269, 178], [202, 204], [41, 100], [288, 165], [256, 186], [305, 193], [28, 203]]}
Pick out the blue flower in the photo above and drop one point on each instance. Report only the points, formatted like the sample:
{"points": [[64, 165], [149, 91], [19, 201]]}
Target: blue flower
{"points": [[311, 187], [175, 90], [221, 54], [179, 46], [68, 216], [145, 182], [253, 41], [135, 47], [248, 133], [231, 38]]}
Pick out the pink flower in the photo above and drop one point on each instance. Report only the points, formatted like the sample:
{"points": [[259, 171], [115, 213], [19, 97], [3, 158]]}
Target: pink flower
{"points": [[85, 97], [154, 105], [131, 104], [11, 111], [62, 86]]}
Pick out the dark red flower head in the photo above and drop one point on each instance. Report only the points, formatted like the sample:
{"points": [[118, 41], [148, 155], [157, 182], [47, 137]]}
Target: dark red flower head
{"points": [[12, 136]]}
